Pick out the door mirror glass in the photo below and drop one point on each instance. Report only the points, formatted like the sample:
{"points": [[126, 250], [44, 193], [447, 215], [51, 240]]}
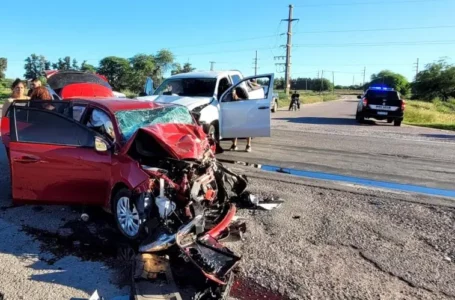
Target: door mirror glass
{"points": [[100, 144], [251, 88]]}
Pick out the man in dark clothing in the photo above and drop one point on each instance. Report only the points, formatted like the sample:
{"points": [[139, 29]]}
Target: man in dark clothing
{"points": [[295, 97]]}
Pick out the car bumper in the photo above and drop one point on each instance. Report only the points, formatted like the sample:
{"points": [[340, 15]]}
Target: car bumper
{"points": [[382, 115]]}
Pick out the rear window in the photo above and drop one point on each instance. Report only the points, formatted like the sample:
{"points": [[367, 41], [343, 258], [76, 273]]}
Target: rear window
{"points": [[389, 95]]}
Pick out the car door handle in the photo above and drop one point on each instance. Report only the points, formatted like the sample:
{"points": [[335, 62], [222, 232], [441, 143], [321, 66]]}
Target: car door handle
{"points": [[263, 107], [27, 159]]}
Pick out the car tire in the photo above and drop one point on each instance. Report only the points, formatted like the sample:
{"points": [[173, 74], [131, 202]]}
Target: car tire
{"points": [[126, 214], [389, 120], [275, 106], [359, 118], [397, 123]]}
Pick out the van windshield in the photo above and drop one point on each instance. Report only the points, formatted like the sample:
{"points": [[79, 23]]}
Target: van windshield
{"points": [[187, 87]]}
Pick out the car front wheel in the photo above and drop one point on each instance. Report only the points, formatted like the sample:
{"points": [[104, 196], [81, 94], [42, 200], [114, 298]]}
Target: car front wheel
{"points": [[397, 123], [126, 214]]}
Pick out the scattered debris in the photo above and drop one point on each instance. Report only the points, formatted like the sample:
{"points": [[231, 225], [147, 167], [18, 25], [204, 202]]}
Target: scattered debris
{"points": [[85, 217], [296, 217], [95, 296], [447, 259], [261, 202]]}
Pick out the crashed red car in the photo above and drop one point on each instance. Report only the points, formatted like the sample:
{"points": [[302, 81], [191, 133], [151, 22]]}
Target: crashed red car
{"points": [[151, 165]]}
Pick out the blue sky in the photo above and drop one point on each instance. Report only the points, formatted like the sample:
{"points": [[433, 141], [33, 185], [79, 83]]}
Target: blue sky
{"points": [[229, 32]]}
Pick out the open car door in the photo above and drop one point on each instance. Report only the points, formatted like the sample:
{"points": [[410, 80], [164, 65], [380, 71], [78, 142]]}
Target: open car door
{"points": [[53, 158], [245, 108]]}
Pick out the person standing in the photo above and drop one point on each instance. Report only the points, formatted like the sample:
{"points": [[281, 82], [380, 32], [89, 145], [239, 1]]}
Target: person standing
{"points": [[295, 97], [18, 93], [36, 83], [240, 93]]}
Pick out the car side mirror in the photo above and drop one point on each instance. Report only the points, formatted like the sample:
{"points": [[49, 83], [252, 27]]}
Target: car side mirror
{"points": [[100, 144]]}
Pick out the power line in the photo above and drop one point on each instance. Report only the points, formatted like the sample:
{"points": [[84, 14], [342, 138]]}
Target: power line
{"points": [[369, 3], [413, 43], [378, 29]]}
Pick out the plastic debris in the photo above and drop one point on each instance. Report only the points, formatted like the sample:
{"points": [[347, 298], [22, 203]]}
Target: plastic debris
{"points": [[85, 217], [95, 296]]}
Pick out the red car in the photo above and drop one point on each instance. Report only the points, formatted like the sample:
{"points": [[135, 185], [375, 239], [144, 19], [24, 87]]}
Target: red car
{"points": [[138, 159]]}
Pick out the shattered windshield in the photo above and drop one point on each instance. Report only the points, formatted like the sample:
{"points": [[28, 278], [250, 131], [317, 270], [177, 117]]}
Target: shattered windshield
{"points": [[187, 87], [131, 120]]}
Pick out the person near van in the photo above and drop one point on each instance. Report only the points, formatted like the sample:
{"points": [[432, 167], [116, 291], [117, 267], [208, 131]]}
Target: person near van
{"points": [[240, 93]]}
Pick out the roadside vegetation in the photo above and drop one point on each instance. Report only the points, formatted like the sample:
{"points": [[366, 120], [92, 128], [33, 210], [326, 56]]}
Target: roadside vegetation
{"points": [[435, 114]]}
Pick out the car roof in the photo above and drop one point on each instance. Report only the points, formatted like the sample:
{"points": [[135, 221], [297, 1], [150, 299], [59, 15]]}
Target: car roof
{"points": [[119, 104], [205, 74]]}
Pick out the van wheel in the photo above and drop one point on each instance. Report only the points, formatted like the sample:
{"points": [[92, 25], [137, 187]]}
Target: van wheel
{"points": [[126, 214], [397, 123]]}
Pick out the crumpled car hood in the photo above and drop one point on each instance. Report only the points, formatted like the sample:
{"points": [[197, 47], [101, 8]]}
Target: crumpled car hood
{"points": [[181, 141], [190, 102]]}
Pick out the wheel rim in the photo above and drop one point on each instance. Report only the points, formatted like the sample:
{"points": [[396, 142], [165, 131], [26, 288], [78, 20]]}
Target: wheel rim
{"points": [[212, 132], [127, 217]]}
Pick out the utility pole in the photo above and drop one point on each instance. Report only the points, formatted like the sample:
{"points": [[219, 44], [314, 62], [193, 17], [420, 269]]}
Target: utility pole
{"points": [[287, 77], [353, 79], [364, 72], [212, 64], [417, 67], [322, 76], [333, 82], [306, 84], [256, 64]]}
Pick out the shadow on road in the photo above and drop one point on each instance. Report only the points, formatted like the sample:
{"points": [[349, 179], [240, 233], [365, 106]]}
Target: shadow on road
{"points": [[321, 120], [440, 136]]}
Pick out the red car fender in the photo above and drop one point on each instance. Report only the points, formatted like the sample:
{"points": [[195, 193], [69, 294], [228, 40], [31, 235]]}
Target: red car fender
{"points": [[220, 227]]}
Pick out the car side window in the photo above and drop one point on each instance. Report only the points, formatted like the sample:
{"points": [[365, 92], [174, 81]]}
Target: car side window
{"points": [[45, 127], [78, 112], [101, 123], [235, 79]]}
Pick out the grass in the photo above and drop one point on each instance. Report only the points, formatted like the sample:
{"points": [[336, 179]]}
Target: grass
{"points": [[435, 114], [306, 97]]}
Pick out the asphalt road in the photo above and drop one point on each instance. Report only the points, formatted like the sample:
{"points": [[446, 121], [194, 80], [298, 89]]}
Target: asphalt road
{"points": [[327, 241], [325, 137]]}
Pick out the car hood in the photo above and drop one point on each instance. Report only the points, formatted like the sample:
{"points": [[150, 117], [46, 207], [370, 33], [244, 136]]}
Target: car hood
{"points": [[190, 102], [179, 141]]}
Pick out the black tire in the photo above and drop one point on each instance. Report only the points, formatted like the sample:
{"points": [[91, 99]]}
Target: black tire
{"points": [[389, 120], [275, 106], [359, 118], [122, 194], [397, 123]]}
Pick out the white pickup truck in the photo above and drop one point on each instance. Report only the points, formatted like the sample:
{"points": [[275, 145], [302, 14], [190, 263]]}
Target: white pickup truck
{"points": [[209, 96]]}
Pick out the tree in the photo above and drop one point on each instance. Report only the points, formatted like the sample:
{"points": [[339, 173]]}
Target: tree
{"points": [[74, 66], [3, 66], [391, 79], [163, 61], [437, 80], [117, 70], [85, 67], [64, 64], [178, 68], [142, 66], [35, 65]]}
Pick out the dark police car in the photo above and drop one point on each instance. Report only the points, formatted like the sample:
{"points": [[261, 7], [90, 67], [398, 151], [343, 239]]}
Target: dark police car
{"points": [[381, 103]]}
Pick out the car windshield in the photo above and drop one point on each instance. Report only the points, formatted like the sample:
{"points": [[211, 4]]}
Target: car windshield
{"points": [[131, 120], [389, 95], [188, 87]]}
